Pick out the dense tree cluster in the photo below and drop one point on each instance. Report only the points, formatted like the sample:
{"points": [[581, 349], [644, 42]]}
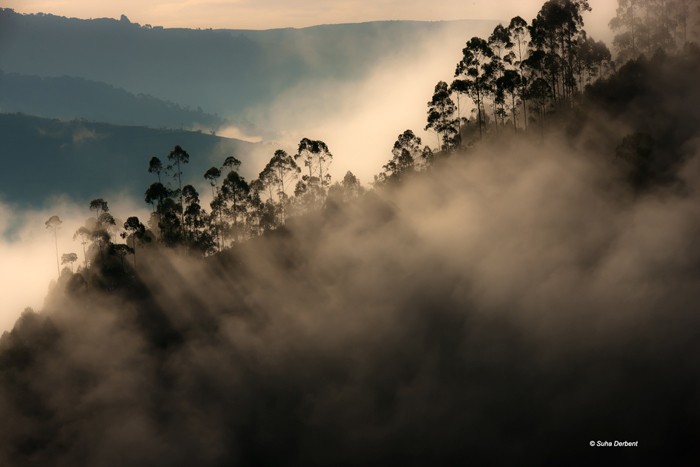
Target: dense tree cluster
{"points": [[408, 156], [239, 210], [519, 74], [645, 26]]}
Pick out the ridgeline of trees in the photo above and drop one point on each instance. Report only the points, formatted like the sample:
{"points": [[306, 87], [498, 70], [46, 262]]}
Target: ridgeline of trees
{"points": [[645, 26], [517, 79], [518, 75], [239, 210]]}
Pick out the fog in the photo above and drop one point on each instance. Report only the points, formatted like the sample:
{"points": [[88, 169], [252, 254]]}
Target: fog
{"points": [[28, 249], [508, 306], [360, 120]]}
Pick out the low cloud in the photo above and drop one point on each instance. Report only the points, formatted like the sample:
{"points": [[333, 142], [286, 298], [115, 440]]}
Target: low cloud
{"points": [[515, 298], [28, 249], [360, 120], [82, 134], [235, 132]]}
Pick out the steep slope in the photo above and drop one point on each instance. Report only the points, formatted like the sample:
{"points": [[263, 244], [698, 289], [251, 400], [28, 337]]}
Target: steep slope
{"points": [[503, 309]]}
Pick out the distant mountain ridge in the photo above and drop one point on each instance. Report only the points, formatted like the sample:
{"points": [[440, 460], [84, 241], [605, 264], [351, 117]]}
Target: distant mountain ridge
{"points": [[67, 97], [131, 76], [83, 160], [223, 71]]}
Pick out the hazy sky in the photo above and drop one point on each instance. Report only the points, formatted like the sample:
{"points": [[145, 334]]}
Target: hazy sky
{"points": [[265, 14]]}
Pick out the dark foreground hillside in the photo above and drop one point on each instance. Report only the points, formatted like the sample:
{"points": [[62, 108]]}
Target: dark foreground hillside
{"points": [[508, 306], [504, 309]]}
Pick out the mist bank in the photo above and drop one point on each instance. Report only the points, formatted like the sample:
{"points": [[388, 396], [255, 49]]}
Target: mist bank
{"points": [[506, 307], [29, 249]]}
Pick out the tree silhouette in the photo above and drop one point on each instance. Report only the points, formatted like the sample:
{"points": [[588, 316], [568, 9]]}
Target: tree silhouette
{"points": [[316, 157], [628, 25], [133, 230], [510, 83], [519, 42], [101, 234], [407, 156], [351, 185], [441, 110], [102, 225], [350, 188], [177, 158], [198, 238], [99, 206], [539, 91], [69, 258], [255, 207], [234, 193], [518, 35], [499, 42], [232, 164], [556, 31], [120, 250], [473, 74], [280, 172], [53, 223], [155, 195], [645, 26], [592, 57], [212, 176], [84, 234], [155, 166]]}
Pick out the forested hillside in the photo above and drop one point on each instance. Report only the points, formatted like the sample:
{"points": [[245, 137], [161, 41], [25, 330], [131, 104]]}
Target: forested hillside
{"points": [[512, 296]]}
